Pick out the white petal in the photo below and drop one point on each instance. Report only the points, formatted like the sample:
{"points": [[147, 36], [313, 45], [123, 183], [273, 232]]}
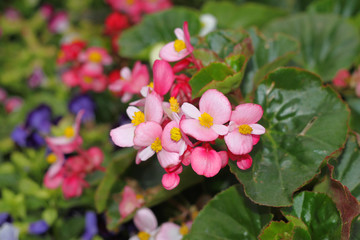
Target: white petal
{"points": [[190, 110], [146, 153], [130, 111], [220, 129], [257, 129], [179, 34]]}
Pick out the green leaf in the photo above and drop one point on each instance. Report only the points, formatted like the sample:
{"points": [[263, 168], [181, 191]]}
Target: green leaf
{"points": [[137, 41], [117, 167], [344, 8], [232, 16], [354, 104], [305, 123], [293, 229], [328, 42], [269, 54], [355, 229], [229, 215], [319, 214], [49, 215]]}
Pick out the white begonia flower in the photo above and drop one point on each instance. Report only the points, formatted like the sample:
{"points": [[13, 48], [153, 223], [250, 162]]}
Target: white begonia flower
{"points": [[208, 22]]}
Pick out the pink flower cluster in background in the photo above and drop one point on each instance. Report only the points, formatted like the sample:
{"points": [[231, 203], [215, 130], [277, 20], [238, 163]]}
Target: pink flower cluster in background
{"points": [[345, 79], [11, 103]]}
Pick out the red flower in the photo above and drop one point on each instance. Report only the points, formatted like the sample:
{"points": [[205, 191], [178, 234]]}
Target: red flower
{"points": [[115, 23]]}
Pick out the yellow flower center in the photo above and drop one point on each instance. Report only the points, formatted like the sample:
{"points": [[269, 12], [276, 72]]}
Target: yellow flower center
{"points": [[194, 214], [184, 229], [143, 236], [95, 57], [206, 120], [139, 196], [179, 45], [51, 158], [69, 132], [151, 85], [156, 145], [130, 2], [175, 134], [174, 105], [88, 79], [245, 129], [138, 118]]}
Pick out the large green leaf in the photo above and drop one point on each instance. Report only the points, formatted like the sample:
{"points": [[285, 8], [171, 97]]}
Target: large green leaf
{"points": [[355, 229], [231, 16], [328, 42], [354, 104], [319, 214], [344, 8], [305, 122], [229, 215], [137, 41]]}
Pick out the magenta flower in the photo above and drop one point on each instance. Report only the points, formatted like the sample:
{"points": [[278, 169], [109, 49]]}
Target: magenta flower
{"points": [[171, 179], [72, 186], [95, 55], [123, 136], [206, 161], [129, 202], [151, 6], [206, 124], [243, 128], [341, 78], [131, 7], [178, 49]]}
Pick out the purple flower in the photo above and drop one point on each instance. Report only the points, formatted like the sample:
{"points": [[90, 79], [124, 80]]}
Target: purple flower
{"points": [[25, 138], [39, 119], [4, 217], [38, 227], [83, 102], [91, 228], [37, 78]]}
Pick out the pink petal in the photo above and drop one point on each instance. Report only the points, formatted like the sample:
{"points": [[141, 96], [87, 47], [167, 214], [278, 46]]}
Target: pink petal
{"points": [[146, 153], [256, 139], [205, 162], [145, 220], [169, 231], [217, 105], [163, 77], [247, 113], [168, 159], [187, 37], [220, 129], [140, 78], [179, 33], [153, 108], [170, 181], [244, 162], [96, 156], [238, 143], [169, 54], [54, 176], [146, 133], [128, 202], [126, 97], [125, 73], [166, 141], [257, 129], [193, 128], [190, 110], [224, 158], [123, 136]]}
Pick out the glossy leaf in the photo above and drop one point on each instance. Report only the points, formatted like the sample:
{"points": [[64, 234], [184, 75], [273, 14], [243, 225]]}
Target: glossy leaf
{"points": [[319, 214], [305, 123], [232, 16], [229, 215], [159, 27], [355, 229], [328, 42], [344, 8]]}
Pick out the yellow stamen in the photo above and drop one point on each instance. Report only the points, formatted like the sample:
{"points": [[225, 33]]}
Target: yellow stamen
{"points": [[88, 79], [245, 129], [151, 85], [138, 118], [139, 196], [130, 2], [179, 45], [206, 120], [95, 57], [156, 145], [175, 134], [194, 214], [51, 158], [184, 229], [69, 132], [143, 236], [174, 105]]}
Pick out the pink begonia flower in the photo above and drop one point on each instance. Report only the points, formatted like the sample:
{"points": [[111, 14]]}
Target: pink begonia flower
{"points": [[46, 10], [151, 6], [91, 77], [148, 137], [180, 48], [96, 157], [146, 223], [173, 138], [95, 55], [123, 136], [129, 202], [12, 104], [131, 7], [171, 179], [130, 82], [341, 77], [224, 158], [59, 23], [242, 161], [56, 159], [70, 141], [163, 77], [54, 181], [205, 161], [243, 126], [207, 124], [3, 95], [71, 78], [73, 186], [169, 230]]}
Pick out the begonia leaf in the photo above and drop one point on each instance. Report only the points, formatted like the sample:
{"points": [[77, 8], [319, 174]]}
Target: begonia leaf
{"points": [[229, 215], [305, 123], [136, 42], [328, 42], [318, 213], [354, 104], [344, 8], [232, 16], [355, 229]]}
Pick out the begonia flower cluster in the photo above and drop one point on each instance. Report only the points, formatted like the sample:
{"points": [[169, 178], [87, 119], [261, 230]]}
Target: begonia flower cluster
{"points": [[181, 133], [344, 79]]}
